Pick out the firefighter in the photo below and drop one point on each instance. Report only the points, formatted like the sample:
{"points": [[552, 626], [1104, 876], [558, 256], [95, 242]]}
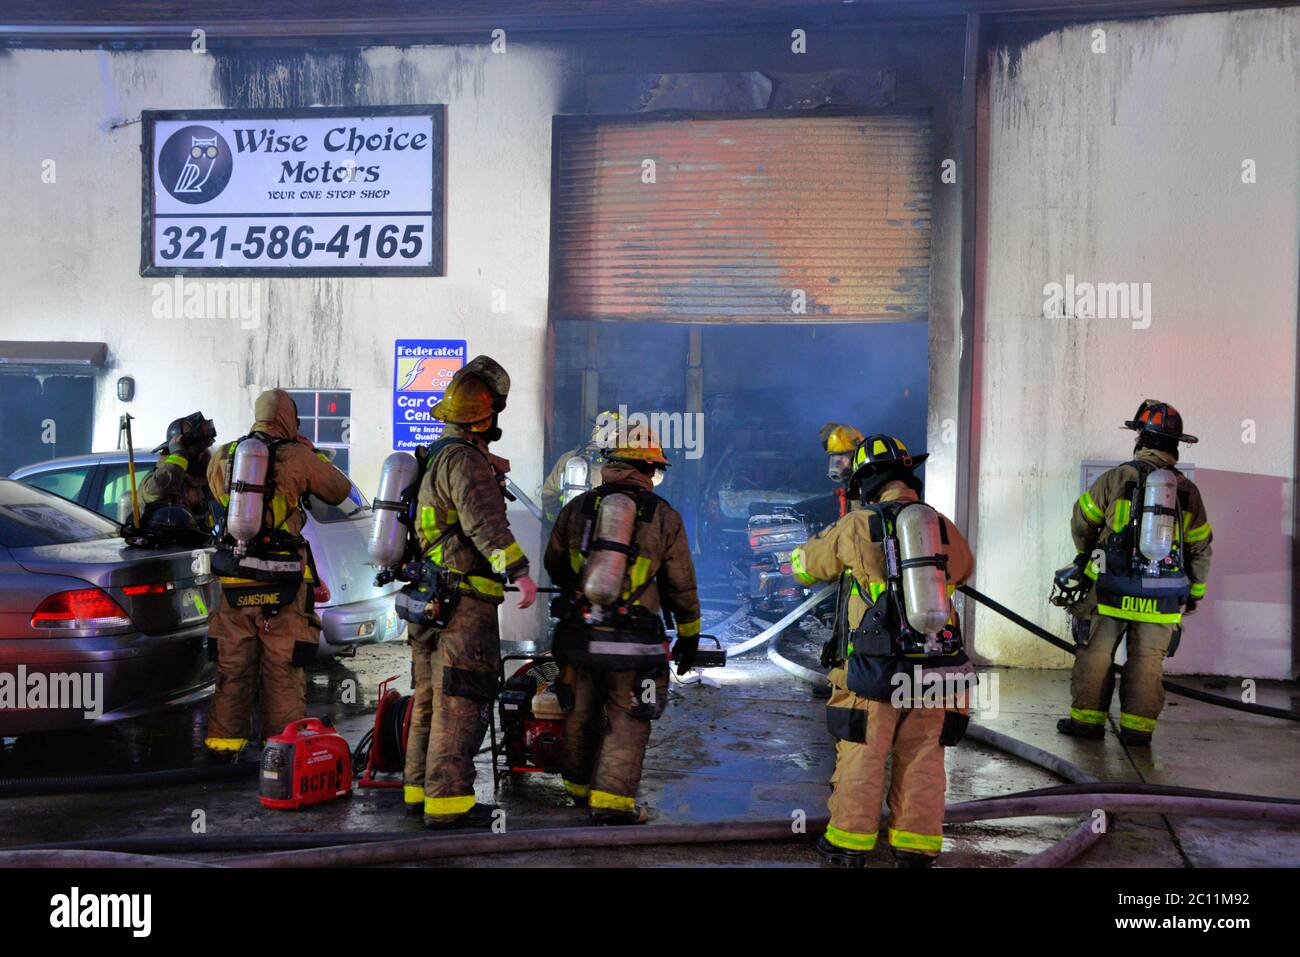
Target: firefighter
{"points": [[555, 490], [1136, 596], [265, 630], [180, 477], [614, 657], [840, 442], [467, 543], [877, 708]]}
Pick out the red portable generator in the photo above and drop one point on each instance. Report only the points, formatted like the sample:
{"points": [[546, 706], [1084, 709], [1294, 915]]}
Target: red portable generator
{"points": [[532, 719], [307, 763]]}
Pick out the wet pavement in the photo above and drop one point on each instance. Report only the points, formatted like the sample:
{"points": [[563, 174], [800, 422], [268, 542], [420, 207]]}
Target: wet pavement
{"points": [[748, 743]]}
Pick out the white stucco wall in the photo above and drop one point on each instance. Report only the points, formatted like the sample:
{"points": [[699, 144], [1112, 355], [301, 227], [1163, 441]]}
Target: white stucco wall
{"points": [[69, 253], [1126, 166]]}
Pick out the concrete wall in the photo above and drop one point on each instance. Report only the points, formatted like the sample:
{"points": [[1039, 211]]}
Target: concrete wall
{"points": [[1126, 166]]}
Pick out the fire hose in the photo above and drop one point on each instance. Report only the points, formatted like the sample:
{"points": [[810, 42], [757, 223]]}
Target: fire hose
{"points": [[1170, 686]]}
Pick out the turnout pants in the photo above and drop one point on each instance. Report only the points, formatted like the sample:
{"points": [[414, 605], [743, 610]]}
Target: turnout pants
{"points": [[454, 674], [1141, 694], [606, 732], [877, 729], [255, 652]]}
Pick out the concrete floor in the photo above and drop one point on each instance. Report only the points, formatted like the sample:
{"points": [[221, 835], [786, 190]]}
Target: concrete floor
{"points": [[753, 748]]}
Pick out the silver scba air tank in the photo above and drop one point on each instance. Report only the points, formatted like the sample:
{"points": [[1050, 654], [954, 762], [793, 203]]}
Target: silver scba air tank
{"points": [[602, 576], [1159, 515], [387, 545], [249, 467], [577, 479], [925, 585]]}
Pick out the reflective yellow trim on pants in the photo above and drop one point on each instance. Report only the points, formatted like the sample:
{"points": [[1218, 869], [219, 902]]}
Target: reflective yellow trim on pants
{"points": [[224, 744], [1088, 716], [1088, 505], [1158, 618], [413, 794], [1198, 534], [797, 567], [603, 800], [688, 629], [850, 840], [438, 807], [577, 790], [910, 841], [1135, 722], [1198, 589]]}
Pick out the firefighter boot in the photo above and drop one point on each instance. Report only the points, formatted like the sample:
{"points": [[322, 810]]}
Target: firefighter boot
{"points": [[480, 816], [1077, 729], [1137, 738], [603, 817], [840, 856], [910, 860]]}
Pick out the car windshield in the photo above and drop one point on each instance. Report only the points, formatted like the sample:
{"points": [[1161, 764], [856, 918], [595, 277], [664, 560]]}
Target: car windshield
{"points": [[30, 516], [351, 507], [774, 473]]}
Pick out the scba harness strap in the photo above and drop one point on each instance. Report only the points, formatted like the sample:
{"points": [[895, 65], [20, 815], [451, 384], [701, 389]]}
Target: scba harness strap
{"points": [[1126, 586], [434, 591], [883, 644], [632, 638], [275, 555]]}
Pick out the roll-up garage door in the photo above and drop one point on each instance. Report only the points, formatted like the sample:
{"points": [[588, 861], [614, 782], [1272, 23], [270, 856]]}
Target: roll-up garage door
{"points": [[746, 219]]}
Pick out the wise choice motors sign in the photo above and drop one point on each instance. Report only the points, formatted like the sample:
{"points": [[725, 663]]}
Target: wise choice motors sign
{"points": [[355, 191]]}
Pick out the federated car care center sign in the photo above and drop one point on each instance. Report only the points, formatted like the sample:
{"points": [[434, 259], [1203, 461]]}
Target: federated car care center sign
{"points": [[422, 369], [321, 192]]}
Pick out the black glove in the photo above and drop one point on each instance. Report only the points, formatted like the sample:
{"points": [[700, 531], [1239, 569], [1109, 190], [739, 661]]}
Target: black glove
{"points": [[685, 650], [1191, 605]]}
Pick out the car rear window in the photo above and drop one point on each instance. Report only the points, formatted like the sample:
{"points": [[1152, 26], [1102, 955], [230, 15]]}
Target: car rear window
{"points": [[354, 506], [30, 516]]}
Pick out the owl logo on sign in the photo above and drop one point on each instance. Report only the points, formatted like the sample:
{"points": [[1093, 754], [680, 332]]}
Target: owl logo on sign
{"points": [[198, 167], [194, 164]]}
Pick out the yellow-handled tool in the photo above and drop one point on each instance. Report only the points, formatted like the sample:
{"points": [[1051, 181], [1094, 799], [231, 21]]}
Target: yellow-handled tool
{"points": [[124, 425]]}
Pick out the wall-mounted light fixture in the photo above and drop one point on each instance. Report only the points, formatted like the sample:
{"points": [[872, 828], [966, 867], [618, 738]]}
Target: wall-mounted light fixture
{"points": [[125, 389]]}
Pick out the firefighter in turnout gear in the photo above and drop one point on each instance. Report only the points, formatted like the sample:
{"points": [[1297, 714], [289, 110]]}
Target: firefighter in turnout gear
{"points": [[840, 443], [470, 551], [621, 559], [265, 630], [565, 482], [900, 678], [1143, 538], [181, 475]]}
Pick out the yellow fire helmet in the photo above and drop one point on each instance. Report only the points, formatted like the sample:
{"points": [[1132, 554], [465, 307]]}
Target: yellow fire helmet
{"points": [[638, 446], [468, 402], [838, 438], [604, 430], [493, 376]]}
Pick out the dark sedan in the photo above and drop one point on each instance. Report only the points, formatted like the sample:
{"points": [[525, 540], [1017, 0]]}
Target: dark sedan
{"points": [[91, 630]]}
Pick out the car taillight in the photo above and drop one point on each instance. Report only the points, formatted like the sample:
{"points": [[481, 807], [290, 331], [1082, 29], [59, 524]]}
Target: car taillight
{"points": [[156, 588], [79, 608], [321, 593]]}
